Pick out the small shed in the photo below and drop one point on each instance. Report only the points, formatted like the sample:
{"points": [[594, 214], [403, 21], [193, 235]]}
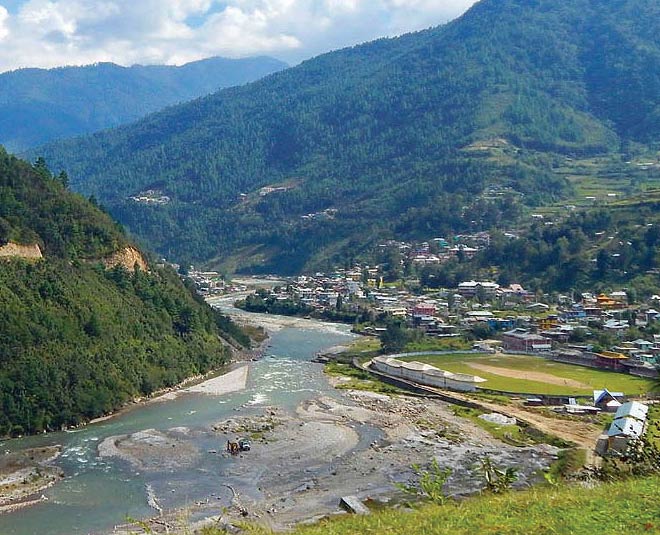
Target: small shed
{"points": [[608, 401], [628, 424]]}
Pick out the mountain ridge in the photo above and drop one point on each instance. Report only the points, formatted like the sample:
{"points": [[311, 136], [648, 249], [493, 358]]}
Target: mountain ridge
{"points": [[40, 105], [376, 135]]}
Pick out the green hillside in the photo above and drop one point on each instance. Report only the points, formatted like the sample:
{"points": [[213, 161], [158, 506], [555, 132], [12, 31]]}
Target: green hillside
{"points": [[601, 248], [608, 509], [79, 337], [39, 105], [385, 139]]}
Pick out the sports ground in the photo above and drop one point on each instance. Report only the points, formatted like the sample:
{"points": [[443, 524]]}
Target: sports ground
{"points": [[536, 375]]}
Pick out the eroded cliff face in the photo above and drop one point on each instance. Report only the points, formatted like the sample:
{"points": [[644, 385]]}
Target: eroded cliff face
{"points": [[14, 250], [128, 257]]}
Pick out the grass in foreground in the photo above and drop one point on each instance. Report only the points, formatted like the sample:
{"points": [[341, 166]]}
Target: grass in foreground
{"points": [[610, 509], [459, 363]]}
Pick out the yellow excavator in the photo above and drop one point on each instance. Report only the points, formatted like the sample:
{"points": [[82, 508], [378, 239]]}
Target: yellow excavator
{"points": [[235, 447]]}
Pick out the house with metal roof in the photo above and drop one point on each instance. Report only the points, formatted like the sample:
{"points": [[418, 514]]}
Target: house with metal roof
{"points": [[629, 423], [632, 409], [522, 340], [608, 401], [626, 427]]}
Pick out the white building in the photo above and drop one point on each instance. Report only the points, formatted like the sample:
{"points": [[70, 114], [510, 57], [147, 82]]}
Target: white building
{"points": [[629, 423], [425, 374]]}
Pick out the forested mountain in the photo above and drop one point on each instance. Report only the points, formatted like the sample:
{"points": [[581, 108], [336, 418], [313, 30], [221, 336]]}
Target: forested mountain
{"points": [[384, 139], [38, 105], [86, 325]]}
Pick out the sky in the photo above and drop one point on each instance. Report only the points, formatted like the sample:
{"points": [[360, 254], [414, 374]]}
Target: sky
{"points": [[50, 33]]}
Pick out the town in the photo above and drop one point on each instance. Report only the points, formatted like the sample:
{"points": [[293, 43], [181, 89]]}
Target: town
{"points": [[606, 331]]}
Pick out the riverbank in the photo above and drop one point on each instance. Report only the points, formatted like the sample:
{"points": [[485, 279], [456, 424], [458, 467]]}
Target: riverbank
{"points": [[351, 443], [270, 322], [22, 484], [104, 490], [215, 380], [233, 381], [25, 475]]}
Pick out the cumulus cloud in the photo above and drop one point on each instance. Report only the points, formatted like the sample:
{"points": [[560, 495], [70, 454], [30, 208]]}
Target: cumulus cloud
{"points": [[48, 33], [4, 15]]}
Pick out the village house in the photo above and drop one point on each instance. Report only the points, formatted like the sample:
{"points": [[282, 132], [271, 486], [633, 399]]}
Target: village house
{"points": [[478, 315], [560, 333], [620, 297], [610, 360], [502, 324], [608, 401], [472, 288], [605, 302], [424, 309], [616, 327], [522, 340], [548, 323], [629, 424]]}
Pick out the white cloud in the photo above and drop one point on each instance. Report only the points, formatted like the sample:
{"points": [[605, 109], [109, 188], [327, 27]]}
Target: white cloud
{"points": [[4, 15], [48, 33]]}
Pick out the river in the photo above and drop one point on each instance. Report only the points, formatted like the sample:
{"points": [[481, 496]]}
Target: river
{"points": [[98, 494]]}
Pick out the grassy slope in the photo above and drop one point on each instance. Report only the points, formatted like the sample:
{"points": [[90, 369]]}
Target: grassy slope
{"points": [[516, 435], [595, 378], [624, 507]]}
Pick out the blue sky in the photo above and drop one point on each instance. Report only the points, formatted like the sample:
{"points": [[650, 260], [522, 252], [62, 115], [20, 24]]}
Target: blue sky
{"points": [[49, 33]]}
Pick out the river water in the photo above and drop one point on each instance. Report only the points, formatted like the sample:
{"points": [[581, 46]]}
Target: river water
{"points": [[98, 494]]}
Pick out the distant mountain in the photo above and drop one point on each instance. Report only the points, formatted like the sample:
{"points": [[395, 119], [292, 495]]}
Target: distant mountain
{"points": [[37, 105], [430, 133], [88, 322]]}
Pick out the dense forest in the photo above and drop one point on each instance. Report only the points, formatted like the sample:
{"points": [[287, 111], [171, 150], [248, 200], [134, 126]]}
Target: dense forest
{"points": [[79, 337], [39, 105], [382, 139]]}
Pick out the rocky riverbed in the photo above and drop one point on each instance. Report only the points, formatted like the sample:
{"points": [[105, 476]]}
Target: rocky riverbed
{"points": [[302, 463]]}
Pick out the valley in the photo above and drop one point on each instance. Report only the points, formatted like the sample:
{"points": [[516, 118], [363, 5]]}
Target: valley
{"points": [[393, 139], [409, 285], [169, 445]]}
